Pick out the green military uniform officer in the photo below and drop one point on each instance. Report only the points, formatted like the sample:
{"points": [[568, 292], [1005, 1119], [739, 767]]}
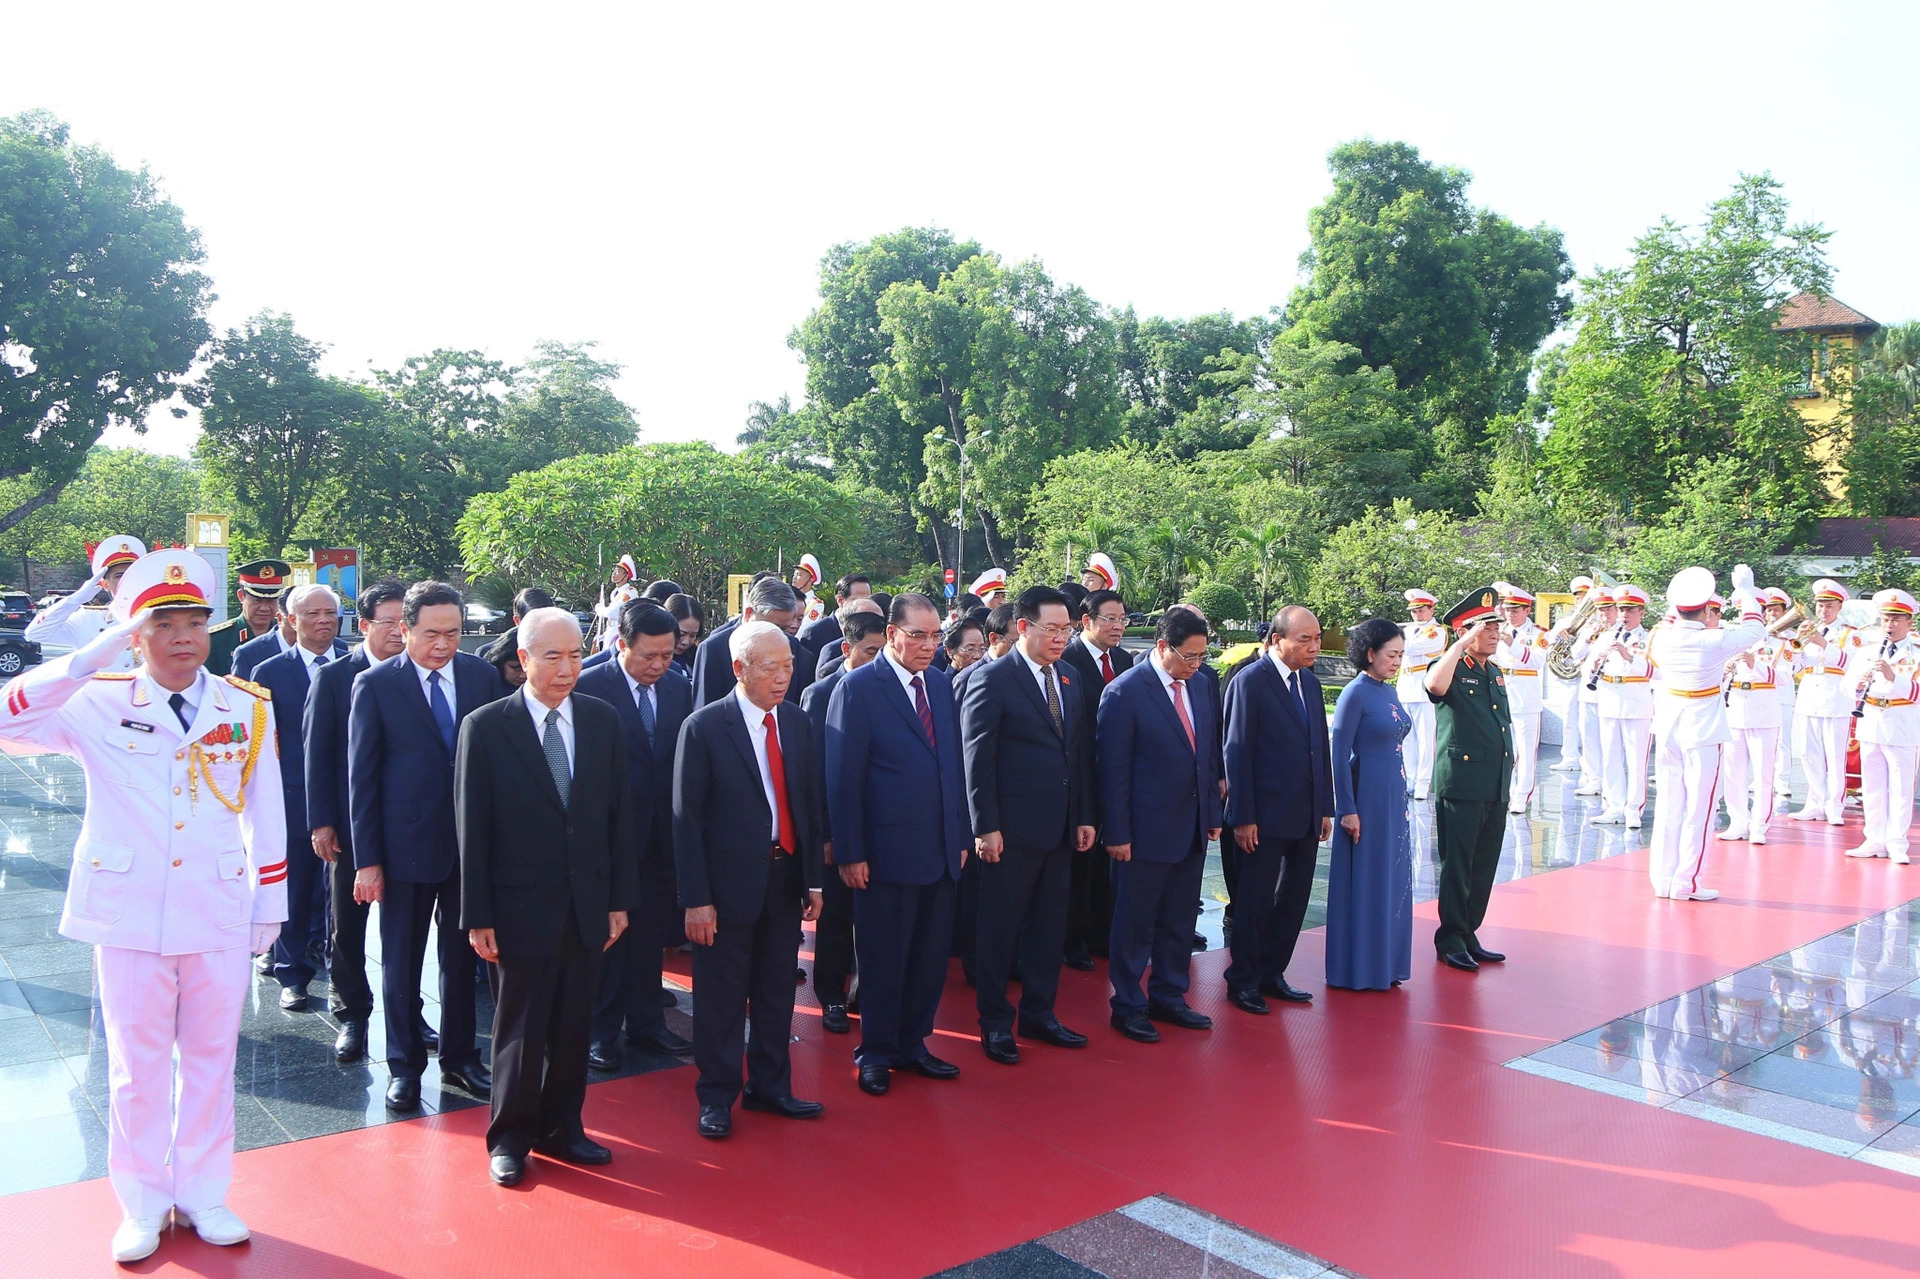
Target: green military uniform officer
{"points": [[1472, 766], [262, 584]]}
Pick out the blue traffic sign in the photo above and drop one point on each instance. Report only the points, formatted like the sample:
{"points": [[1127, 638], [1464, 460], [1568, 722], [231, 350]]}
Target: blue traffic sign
{"points": [[950, 590]]}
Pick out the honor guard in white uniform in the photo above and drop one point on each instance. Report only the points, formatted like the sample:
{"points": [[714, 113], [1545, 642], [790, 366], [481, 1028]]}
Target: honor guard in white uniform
{"points": [[626, 589], [1623, 680], [1426, 640], [1100, 574], [1590, 651], [1888, 698], [1522, 658], [74, 618], [806, 576], [1774, 604], [1570, 731], [990, 588], [1753, 718], [179, 874], [1690, 726], [1823, 705]]}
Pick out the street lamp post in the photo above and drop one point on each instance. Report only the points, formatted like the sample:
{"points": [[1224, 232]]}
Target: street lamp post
{"points": [[960, 510]]}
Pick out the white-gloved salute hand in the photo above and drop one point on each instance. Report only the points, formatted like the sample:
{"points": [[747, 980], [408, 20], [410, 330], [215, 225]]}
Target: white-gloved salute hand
{"points": [[1743, 578], [103, 650]]}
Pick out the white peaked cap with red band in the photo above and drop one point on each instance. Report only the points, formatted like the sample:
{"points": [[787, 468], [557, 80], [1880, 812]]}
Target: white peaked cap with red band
{"points": [[994, 579], [168, 578], [1099, 562], [122, 548]]}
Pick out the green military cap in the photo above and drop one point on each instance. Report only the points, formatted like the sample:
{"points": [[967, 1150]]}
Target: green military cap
{"points": [[1476, 604], [266, 579]]}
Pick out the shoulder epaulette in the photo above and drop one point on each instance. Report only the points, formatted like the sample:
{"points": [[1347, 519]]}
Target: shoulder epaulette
{"points": [[221, 626], [98, 608], [113, 675], [260, 691]]}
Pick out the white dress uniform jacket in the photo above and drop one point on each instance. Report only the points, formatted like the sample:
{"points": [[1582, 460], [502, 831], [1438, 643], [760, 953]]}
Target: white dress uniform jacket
{"points": [[1753, 698], [71, 621], [1523, 658], [1826, 690], [1626, 683], [1891, 714], [1692, 662]]}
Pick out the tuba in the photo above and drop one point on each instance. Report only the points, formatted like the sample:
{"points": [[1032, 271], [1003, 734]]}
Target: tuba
{"points": [[1560, 651]]}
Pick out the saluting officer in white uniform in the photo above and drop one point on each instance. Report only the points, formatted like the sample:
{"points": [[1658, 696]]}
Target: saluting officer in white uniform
{"points": [[1426, 640], [1889, 729], [1823, 706], [74, 618], [1522, 658], [179, 874], [806, 576], [1690, 726], [1624, 682], [1754, 720]]}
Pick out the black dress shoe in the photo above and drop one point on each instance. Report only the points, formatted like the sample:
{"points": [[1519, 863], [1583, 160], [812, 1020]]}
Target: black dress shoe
{"points": [[403, 1093], [834, 1019], [350, 1045], [1199, 941], [1079, 963], [1000, 1047], [875, 1078], [1052, 1032], [1460, 959], [473, 1078], [799, 976], [1247, 1001], [603, 1057], [715, 1122], [1481, 955], [668, 999], [507, 1170], [429, 1038], [663, 1041], [1279, 989], [575, 1150], [790, 1107], [293, 999], [933, 1068], [1135, 1026], [1179, 1015]]}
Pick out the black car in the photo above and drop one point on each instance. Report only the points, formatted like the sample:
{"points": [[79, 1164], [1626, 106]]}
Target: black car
{"points": [[17, 652], [16, 610]]}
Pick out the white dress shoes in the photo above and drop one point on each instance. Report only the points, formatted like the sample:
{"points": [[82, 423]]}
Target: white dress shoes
{"points": [[1867, 850], [136, 1238], [217, 1225]]}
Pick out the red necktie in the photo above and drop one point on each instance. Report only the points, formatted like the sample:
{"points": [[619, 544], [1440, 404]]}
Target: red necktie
{"points": [[776, 765], [1180, 709], [1106, 668], [924, 711]]}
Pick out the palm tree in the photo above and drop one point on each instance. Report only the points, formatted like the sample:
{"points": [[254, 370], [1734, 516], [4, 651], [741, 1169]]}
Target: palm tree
{"points": [[1071, 546], [1169, 554], [1281, 564]]}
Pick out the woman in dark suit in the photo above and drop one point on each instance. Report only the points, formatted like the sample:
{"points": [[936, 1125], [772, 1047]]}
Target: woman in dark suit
{"points": [[1370, 885]]}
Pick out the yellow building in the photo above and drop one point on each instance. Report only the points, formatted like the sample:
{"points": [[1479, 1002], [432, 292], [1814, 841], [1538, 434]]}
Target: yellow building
{"points": [[1838, 334]]}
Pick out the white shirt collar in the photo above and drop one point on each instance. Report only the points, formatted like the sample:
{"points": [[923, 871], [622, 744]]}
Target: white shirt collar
{"points": [[539, 708], [310, 657], [1286, 672], [1086, 639], [755, 717], [634, 686], [1166, 681], [422, 673], [901, 673]]}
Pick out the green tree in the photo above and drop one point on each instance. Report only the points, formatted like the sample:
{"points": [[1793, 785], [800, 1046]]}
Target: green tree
{"points": [[1883, 417], [102, 304], [562, 404], [779, 433], [117, 491], [1887, 566], [1169, 372], [1714, 521]]}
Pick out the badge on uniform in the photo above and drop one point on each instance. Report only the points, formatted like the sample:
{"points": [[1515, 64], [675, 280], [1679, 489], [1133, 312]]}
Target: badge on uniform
{"points": [[225, 735], [136, 726]]}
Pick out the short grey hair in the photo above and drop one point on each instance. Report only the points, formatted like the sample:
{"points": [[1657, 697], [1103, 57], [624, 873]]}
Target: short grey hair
{"points": [[540, 619], [747, 636], [864, 604], [771, 595], [301, 594]]}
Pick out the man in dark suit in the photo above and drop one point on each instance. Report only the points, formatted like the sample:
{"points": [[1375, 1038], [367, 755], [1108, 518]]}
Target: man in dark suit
{"points": [[329, 813], [288, 677], [1279, 803], [896, 793], [822, 631], [1029, 786], [1001, 635], [401, 732], [1097, 655], [768, 600], [833, 657], [1159, 748], [549, 870], [864, 631], [653, 700], [746, 842]]}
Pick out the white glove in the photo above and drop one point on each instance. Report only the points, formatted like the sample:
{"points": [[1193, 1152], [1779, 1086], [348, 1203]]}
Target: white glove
{"points": [[1742, 579], [103, 650], [264, 935]]}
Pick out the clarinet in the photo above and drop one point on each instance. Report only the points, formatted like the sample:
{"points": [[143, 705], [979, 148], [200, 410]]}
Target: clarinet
{"points": [[1860, 702], [1593, 680]]}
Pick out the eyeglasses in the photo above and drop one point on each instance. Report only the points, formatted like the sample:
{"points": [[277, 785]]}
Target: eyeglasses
{"points": [[1191, 659], [916, 637], [1052, 632], [973, 650]]}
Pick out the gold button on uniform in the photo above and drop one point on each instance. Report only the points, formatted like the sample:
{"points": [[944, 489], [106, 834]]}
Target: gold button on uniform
{"points": [[176, 754], [179, 825], [176, 790], [176, 861]]}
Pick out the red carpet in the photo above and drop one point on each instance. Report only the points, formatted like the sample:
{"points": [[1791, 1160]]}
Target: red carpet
{"points": [[1379, 1131]]}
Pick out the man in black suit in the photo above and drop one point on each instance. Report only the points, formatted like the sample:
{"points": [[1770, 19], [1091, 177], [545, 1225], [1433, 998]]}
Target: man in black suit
{"points": [[747, 844], [822, 631], [768, 600], [329, 813], [549, 870], [864, 631], [833, 655], [288, 676], [1097, 655], [1279, 804], [402, 728], [653, 700], [1029, 761]]}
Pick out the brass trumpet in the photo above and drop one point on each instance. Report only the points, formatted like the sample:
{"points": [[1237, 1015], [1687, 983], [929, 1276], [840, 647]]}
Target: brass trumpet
{"points": [[1794, 620]]}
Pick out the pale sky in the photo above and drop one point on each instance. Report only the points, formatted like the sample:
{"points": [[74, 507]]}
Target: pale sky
{"points": [[664, 181]]}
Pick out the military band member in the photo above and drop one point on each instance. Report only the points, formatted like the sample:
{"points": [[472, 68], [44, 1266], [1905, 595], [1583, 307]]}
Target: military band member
{"points": [[806, 576], [1690, 726], [1774, 604], [1889, 729], [1753, 718], [261, 584], [1570, 739], [179, 873], [1472, 774], [1625, 711], [990, 587], [1823, 705], [1590, 651], [1522, 656], [1426, 640], [1100, 574], [75, 618]]}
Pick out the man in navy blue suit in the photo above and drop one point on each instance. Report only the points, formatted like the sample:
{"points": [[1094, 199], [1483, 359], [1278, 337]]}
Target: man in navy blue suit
{"points": [[287, 677], [1029, 791], [1279, 803], [329, 812], [768, 600], [653, 700], [822, 631], [401, 732], [1159, 748], [897, 804]]}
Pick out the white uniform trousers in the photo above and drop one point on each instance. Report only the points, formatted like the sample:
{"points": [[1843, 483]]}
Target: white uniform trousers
{"points": [[1526, 754], [1784, 753], [1821, 744], [1623, 765], [1592, 748], [1749, 761], [1420, 768], [1571, 728], [1886, 790], [1689, 782], [170, 1137]]}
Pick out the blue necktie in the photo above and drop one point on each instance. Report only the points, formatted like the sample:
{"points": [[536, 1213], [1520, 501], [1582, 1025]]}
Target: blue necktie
{"points": [[442, 713], [646, 712]]}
